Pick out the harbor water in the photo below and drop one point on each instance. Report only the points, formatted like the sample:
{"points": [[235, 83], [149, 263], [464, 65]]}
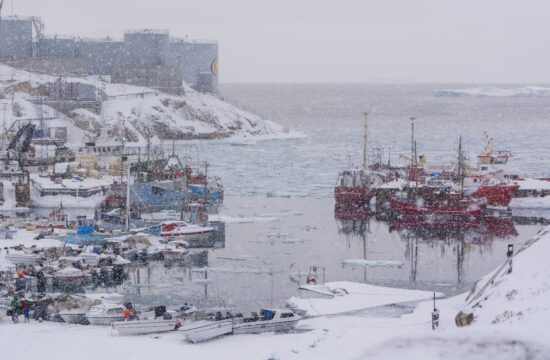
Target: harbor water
{"points": [[279, 209]]}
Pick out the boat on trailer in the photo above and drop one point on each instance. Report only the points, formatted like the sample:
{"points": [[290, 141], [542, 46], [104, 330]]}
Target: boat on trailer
{"points": [[270, 320]]}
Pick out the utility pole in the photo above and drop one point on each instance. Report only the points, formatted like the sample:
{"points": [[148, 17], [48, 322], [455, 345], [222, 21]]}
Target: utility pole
{"points": [[205, 180]]}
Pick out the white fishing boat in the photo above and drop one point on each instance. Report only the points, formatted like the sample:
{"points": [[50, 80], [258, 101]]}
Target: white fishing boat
{"points": [[270, 320], [105, 314], [25, 259], [183, 231], [176, 250], [74, 316], [163, 215], [143, 327], [204, 330]]}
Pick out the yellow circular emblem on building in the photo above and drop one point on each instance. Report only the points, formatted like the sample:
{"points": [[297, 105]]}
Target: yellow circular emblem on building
{"points": [[214, 67]]}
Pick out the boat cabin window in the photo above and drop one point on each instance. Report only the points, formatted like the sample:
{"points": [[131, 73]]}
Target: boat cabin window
{"points": [[115, 311], [267, 314], [157, 191], [287, 315]]}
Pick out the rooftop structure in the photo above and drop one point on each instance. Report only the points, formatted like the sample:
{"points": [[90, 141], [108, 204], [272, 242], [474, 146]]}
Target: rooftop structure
{"points": [[147, 51]]}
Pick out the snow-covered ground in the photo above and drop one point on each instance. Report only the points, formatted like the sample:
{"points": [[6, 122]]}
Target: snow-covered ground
{"points": [[510, 310], [136, 111]]}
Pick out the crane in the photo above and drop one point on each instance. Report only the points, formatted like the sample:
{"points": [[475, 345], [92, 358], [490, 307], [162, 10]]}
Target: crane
{"points": [[20, 143]]}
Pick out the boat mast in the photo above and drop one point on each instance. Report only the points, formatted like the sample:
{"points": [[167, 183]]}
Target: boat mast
{"points": [[365, 147], [412, 141], [412, 149], [460, 165]]}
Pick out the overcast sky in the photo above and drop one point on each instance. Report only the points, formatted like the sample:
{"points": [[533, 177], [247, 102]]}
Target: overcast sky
{"points": [[334, 41]]}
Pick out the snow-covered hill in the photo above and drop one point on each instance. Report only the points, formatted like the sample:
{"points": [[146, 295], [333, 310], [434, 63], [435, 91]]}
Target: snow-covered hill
{"points": [[137, 111]]}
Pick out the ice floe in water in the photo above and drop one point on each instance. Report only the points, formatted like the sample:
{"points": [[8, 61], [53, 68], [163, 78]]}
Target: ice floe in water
{"points": [[371, 263], [243, 220], [493, 91]]}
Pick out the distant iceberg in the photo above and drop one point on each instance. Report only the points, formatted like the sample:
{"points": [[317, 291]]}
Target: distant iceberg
{"points": [[493, 91]]}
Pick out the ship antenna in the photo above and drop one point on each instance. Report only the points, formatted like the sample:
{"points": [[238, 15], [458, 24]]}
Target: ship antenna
{"points": [[365, 145]]}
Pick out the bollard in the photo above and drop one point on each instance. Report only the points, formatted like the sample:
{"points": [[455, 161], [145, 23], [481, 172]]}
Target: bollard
{"points": [[509, 254], [435, 316]]}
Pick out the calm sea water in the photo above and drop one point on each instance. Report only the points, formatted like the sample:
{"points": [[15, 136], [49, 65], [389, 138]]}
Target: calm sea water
{"points": [[286, 188]]}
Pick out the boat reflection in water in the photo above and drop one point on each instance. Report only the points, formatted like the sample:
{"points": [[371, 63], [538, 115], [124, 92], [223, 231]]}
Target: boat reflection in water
{"points": [[454, 236], [352, 219], [461, 235]]}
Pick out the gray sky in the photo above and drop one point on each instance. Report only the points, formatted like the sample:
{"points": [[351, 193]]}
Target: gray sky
{"points": [[334, 41]]}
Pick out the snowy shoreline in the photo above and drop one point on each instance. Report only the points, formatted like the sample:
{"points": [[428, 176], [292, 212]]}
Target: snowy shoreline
{"points": [[509, 321]]}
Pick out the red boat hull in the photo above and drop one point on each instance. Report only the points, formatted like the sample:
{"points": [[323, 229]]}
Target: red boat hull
{"points": [[346, 194], [411, 208], [427, 223], [497, 195]]}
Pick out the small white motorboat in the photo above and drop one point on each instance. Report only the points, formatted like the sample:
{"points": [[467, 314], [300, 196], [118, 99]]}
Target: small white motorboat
{"points": [[105, 314], [176, 250], [143, 327], [205, 330], [24, 259], [185, 311], [183, 231], [74, 316], [270, 320], [69, 273], [89, 258]]}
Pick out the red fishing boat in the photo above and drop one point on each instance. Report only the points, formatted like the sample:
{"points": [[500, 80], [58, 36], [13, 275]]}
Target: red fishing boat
{"points": [[419, 207], [498, 194], [357, 186], [487, 180]]}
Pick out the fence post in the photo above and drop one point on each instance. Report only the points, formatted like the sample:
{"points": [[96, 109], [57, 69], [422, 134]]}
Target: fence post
{"points": [[509, 254], [435, 316]]}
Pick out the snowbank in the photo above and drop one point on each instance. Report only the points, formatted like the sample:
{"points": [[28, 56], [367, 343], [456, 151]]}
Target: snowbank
{"points": [[493, 91]]}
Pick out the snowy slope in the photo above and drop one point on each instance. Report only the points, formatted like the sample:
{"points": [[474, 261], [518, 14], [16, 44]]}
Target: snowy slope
{"points": [[137, 111]]}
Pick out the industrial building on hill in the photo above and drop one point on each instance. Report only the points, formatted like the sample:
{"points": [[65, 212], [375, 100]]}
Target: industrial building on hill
{"points": [[143, 57]]}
